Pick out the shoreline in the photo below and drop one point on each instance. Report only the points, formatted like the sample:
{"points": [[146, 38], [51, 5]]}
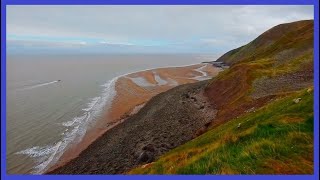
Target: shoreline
{"points": [[133, 90]]}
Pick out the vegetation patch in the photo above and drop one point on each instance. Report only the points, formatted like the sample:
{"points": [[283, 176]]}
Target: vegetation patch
{"points": [[276, 139]]}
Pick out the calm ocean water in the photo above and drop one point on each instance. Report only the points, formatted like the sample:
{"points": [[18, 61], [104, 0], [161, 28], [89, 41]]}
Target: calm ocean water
{"points": [[53, 100]]}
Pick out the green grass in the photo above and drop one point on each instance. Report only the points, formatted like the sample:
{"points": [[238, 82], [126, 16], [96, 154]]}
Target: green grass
{"points": [[297, 36], [276, 139]]}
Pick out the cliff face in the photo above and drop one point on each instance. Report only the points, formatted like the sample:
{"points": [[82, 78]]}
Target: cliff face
{"points": [[262, 100]]}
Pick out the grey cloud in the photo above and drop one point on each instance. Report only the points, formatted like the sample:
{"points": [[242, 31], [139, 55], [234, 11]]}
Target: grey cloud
{"points": [[233, 24]]}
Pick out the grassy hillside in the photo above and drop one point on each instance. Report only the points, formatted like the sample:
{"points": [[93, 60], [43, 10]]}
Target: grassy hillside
{"points": [[275, 134], [278, 62], [297, 35], [276, 139]]}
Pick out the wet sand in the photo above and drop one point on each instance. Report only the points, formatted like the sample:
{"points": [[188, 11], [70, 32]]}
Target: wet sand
{"points": [[132, 92]]}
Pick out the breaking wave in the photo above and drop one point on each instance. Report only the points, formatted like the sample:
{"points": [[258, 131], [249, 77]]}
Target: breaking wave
{"points": [[47, 156]]}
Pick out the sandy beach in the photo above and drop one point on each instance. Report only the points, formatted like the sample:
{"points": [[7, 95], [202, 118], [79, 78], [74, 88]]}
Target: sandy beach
{"points": [[132, 92]]}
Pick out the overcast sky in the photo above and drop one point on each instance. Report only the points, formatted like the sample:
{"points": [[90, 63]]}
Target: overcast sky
{"points": [[142, 29]]}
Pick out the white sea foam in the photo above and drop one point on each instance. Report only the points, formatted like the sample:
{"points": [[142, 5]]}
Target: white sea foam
{"points": [[92, 103], [75, 120], [77, 128], [37, 151], [47, 159]]}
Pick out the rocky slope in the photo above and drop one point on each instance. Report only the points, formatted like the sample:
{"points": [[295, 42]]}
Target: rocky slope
{"points": [[166, 121]]}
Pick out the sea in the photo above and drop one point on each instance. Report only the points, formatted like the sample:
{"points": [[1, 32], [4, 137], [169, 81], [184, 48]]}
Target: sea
{"points": [[53, 100]]}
